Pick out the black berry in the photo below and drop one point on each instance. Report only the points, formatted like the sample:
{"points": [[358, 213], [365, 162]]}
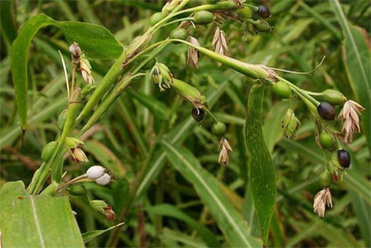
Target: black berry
{"points": [[344, 158], [198, 114], [326, 111], [263, 11]]}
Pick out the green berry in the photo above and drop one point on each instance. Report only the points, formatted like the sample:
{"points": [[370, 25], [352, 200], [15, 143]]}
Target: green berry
{"points": [[325, 179], [77, 190], [245, 12], [178, 33], [48, 151], [334, 97], [282, 89], [219, 129], [156, 17], [203, 17], [326, 140], [198, 114], [326, 111], [262, 26]]}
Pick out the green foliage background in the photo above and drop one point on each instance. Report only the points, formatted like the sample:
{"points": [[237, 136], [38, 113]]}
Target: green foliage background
{"points": [[168, 208]]}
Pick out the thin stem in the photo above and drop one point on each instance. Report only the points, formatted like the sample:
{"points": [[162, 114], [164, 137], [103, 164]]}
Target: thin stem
{"points": [[178, 20], [65, 74], [211, 115]]}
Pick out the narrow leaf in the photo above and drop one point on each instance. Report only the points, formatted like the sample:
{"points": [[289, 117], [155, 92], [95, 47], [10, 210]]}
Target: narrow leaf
{"points": [[36, 221], [207, 186], [93, 234], [261, 168]]}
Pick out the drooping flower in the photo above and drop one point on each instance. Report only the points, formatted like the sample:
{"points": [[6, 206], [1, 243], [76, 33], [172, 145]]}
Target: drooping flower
{"points": [[226, 149], [220, 41], [193, 54], [78, 155], [349, 114], [321, 199]]}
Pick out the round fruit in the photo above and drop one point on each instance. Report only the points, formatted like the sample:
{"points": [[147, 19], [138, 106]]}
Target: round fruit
{"points": [[344, 158], [178, 33], [156, 17], [262, 26], [219, 129], [334, 97], [198, 114], [48, 151], [263, 11], [245, 12], [326, 111], [282, 89], [203, 17], [325, 179], [77, 190], [326, 140]]}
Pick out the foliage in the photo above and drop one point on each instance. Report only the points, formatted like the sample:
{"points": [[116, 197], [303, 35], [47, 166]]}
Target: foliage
{"points": [[134, 116]]}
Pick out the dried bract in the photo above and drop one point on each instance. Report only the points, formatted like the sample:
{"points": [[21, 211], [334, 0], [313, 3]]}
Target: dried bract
{"points": [[350, 115], [226, 149], [321, 199], [193, 54]]}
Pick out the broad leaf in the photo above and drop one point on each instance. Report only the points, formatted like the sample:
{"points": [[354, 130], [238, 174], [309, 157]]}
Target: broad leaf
{"points": [[207, 186], [36, 221], [95, 41], [262, 177]]}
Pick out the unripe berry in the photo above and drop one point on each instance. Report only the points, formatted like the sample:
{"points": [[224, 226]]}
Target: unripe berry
{"points": [[77, 190], [282, 89], [326, 111], [344, 158], [178, 33], [156, 17], [325, 179], [326, 140], [198, 114], [262, 26], [203, 17], [334, 97], [219, 129], [245, 12]]}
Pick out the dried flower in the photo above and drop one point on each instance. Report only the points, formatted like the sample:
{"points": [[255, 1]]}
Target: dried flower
{"points": [[162, 76], [193, 54], [220, 41], [78, 155], [85, 68], [75, 52], [226, 149], [349, 114], [321, 199]]}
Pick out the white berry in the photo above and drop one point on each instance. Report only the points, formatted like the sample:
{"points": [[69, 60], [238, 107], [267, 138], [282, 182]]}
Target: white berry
{"points": [[95, 171], [103, 180]]}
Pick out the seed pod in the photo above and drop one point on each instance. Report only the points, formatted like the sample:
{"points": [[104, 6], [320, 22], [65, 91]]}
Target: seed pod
{"points": [[178, 33], [48, 151], [203, 17], [189, 93], [334, 97], [61, 119], [219, 129], [245, 12], [325, 179], [156, 17], [326, 111], [326, 140], [282, 89], [95, 172], [263, 11], [77, 190], [198, 114], [262, 26], [344, 158]]}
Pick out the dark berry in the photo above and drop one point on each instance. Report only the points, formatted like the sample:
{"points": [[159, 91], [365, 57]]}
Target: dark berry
{"points": [[344, 158], [326, 111], [198, 114], [263, 11]]}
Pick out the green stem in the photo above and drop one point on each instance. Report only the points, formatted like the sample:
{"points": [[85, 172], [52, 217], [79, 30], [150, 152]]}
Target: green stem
{"points": [[211, 115]]}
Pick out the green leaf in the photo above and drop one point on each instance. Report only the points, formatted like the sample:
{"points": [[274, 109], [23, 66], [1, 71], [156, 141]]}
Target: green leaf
{"points": [[93, 234], [36, 221], [96, 42], [356, 56], [262, 178], [171, 211], [207, 186]]}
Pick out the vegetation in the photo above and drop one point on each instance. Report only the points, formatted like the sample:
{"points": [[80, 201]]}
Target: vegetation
{"points": [[185, 123]]}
